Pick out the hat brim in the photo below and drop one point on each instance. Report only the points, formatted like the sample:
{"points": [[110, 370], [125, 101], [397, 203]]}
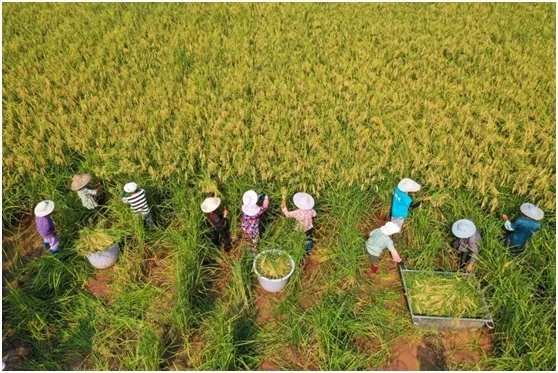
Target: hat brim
{"points": [[250, 210], [42, 213], [80, 182], [471, 229], [212, 207], [250, 198], [303, 201], [408, 186], [533, 213]]}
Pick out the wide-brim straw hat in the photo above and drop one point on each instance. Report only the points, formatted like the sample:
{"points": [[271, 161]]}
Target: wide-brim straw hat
{"points": [[463, 228], [251, 210], [44, 208], [531, 211], [390, 228], [210, 204], [250, 198], [408, 185], [79, 181], [303, 201], [130, 187]]}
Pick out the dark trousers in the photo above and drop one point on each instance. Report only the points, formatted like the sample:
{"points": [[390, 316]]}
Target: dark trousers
{"points": [[309, 239], [514, 250], [464, 257], [222, 235]]}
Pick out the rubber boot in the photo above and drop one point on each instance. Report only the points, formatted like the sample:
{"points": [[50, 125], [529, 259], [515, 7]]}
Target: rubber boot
{"points": [[374, 268]]}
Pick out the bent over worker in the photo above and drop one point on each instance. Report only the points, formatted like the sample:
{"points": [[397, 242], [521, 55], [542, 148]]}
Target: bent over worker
{"points": [[523, 227], [402, 200], [137, 200], [378, 241], [466, 243], [304, 215], [218, 221], [45, 225]]}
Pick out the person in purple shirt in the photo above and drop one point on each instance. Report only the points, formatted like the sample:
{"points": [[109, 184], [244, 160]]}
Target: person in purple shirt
{"points": [[45, 225]]}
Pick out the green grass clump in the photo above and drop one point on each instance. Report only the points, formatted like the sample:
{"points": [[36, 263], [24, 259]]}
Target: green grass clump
{"points": [[444, 295], [273, 264]]}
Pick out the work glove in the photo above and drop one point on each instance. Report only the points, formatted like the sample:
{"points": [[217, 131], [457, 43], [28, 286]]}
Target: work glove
{"points": [[45, 244], [122, 193], [416, 204]]}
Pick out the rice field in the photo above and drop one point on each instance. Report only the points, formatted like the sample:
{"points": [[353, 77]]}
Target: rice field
{"points": [[339, 100]]}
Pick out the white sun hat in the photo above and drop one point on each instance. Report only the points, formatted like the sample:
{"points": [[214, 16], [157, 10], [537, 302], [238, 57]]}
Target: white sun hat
{"points": [[390, 228], [303, 201], [463, 228], [79, 181], [408, 185], [130, 187], [210, 204], [531, 211], [249, 203], [250, 198], [44, 208], [251, 210]]}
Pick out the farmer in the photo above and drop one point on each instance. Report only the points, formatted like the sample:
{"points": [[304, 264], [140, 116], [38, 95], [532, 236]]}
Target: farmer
{"points": [[138, 201], [218, 221], [251, 213], [378, 241], [303, 215], [402, 201], [85, 191], [523, 227], [45, 225], [466, 242]]}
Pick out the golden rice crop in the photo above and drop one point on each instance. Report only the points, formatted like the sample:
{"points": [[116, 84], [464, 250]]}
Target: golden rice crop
{"points": [[453, 95], [450, 296]]}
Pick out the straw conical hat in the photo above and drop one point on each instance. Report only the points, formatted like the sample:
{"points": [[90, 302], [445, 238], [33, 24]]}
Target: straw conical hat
{"points": [[79, 181]]}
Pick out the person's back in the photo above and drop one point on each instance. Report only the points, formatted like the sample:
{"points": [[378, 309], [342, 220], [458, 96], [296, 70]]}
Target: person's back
{"points": [[400, 204], [138, 202], [377, 242], [524, 228]]}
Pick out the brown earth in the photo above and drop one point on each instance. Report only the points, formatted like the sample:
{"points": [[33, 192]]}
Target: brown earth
{"points": [[99, 284]]}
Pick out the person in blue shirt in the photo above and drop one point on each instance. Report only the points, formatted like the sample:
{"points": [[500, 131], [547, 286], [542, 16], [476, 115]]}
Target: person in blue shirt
{"points": [[523, 227], [402, 201]]}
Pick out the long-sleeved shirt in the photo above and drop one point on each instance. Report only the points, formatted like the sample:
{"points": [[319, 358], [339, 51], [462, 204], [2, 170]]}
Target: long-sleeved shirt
{"points": [[217, 220], [521, 230], [86, 194], [138, 202], [470, 245], [400, 204], [251, 224], [377, 242], [304, 217], [45, 226]]}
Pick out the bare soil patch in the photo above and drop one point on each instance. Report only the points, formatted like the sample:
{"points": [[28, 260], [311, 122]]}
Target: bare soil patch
{"points": [[99, 284]]}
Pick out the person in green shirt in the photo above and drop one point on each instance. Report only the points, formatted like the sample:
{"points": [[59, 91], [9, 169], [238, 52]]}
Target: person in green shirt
{"points": [[380, 240]]}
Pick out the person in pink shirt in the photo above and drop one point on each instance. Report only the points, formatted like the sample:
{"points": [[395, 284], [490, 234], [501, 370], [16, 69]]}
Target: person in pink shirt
{"points": [[304, 215]]}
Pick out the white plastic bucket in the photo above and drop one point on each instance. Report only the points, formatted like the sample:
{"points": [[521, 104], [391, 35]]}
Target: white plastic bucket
{"points": [[104, 259], [273, 285]]}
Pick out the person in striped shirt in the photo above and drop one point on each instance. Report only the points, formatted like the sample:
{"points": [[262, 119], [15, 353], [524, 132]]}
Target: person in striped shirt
{"points": [[137, 201], [379, 240]]}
